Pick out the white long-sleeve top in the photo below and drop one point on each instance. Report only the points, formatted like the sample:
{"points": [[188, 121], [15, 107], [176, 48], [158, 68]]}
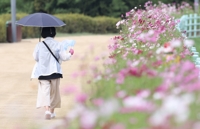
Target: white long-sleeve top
{"points": [[46, 64]]}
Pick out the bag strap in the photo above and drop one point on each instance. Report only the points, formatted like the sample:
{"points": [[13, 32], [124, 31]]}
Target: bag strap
{"points": [[50, 51]]}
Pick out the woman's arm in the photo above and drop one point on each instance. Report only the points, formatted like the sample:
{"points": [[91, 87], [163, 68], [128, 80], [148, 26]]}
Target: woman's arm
{"points": [[64, 56]]}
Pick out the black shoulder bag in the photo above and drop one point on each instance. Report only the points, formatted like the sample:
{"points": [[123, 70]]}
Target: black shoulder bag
{"points": [[51, 52]]}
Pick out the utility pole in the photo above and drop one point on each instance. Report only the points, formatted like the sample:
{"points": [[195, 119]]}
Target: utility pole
{"points": [[13, 19], [196, 6]]}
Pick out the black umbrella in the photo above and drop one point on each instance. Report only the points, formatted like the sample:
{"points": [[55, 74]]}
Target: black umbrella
{"points": [[40, 20]]}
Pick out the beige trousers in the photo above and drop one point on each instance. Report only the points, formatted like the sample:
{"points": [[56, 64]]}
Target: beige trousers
{"points": [[49, 93]]}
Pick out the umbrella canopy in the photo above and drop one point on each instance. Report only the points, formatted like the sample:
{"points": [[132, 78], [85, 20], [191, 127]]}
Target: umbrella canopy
{"points": [[40, 20]]}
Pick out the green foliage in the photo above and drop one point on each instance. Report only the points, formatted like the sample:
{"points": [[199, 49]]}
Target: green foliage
{"points": [[118, 7], [24, 6], [95, 7], [67, 6], [4, 6], [56, 6], [196, 41], [92, 8], [27, 32], [75, 23], [105, 25], [39, 5]]}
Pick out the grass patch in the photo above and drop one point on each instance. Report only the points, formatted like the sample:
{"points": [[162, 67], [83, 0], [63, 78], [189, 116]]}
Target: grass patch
{"points": [[197, 43]]}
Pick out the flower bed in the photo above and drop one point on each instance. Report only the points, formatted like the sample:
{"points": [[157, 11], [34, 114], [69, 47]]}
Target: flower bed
{"points": [[147, 82]]}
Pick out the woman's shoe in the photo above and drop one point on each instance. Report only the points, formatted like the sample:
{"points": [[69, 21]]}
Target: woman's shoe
{"points": [[53, 115], [47, 115]]}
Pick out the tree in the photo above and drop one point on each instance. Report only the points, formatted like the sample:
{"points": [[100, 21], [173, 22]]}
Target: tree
{"points": [[24, 6], [67, 6], [112, 8], [103, 7], [39, 5], [95, 7], [4, 6], [118, 7]]}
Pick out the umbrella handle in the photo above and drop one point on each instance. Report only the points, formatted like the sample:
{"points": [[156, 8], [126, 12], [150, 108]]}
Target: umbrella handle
{"points": [[40, 31]]}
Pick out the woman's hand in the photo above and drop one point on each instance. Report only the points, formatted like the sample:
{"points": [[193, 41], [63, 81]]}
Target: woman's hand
{"points": [[71, 51]]}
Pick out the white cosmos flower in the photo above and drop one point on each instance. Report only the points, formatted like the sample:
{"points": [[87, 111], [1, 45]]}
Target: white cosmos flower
{"points": [[74, 113], [177, 106], [88, 119], [175, 43], [159, 50], [150, 32], [158, 95], [118, 51], [118, 23], [134, 101], [109, 107], [168, 49], [130, 40], [188, 43], [135, 63], [97, 78]]}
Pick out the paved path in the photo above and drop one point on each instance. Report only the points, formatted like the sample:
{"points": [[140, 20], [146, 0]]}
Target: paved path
{"points": [[18, 93]]}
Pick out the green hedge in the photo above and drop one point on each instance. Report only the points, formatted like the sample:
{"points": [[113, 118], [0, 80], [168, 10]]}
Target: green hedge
{"points": [[30, 32], [3, 19], [75, 23]]}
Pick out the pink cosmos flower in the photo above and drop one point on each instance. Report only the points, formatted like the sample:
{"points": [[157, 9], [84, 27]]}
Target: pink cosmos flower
{"points": [[70, 89], [118, 126], [98, 101], [143, 93], [81, 97], [127, 14], [187, 66], [75, 74], [110, 61], [162, 88], [121, 94], [157, 63], [151, 73], [125, 55], [120, 78], [96, 58], [134, 72]]}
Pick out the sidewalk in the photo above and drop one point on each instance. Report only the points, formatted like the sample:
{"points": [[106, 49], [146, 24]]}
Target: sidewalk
{"points": [[18, 92]]}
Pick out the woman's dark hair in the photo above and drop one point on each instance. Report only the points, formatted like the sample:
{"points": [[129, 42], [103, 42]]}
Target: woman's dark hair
{"points": [[48, 32]]}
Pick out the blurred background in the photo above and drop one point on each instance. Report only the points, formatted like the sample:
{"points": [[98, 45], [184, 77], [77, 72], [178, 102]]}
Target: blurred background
{"points": [[112, 8], [81, 16]]}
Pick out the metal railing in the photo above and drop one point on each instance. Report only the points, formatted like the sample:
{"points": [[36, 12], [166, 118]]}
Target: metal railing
{"points": [[189, 25]]}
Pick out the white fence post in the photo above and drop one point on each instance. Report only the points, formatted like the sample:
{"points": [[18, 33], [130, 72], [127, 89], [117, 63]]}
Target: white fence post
{"points": [[190, 26], [195, 26]]}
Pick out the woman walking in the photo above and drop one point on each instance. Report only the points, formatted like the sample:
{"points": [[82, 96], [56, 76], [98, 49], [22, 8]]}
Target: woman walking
{"points": [[48, 55]]}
